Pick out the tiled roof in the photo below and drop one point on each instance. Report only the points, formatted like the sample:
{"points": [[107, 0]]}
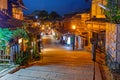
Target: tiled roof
{"points": [[19, 3], [8, 22], [3, 16]]}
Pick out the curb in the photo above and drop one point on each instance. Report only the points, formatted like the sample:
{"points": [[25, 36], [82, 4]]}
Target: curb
{"points": [[98, 74]]}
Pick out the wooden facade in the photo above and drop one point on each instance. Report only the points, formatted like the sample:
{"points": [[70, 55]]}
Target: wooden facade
{"points": [[9, 22]]}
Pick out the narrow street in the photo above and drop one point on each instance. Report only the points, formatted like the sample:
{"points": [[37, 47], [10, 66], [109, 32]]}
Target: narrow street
{"points": [[60, 40], [58, 63]]}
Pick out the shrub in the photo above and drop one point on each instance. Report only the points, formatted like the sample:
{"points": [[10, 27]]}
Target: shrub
{"points": [[22, 58]]}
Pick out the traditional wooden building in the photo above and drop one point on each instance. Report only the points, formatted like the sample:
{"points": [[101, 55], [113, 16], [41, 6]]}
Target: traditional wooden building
{"points": [[105, 32], [81, 31], [112, 34], [97, 23], [10, 23]]}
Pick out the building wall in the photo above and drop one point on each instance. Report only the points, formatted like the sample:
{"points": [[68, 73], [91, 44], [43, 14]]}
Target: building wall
{"points": [[12, 9], [67, 24], [113, 45], [111, 31], [3, 4], [78, 20], [96, 10], [96, 23]]}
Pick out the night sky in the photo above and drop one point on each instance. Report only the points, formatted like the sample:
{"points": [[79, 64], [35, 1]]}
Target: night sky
{"points": [[60, 6]]}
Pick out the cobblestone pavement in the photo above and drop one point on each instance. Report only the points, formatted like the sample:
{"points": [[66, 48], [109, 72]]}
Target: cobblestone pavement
{"points": [[57, 63]]}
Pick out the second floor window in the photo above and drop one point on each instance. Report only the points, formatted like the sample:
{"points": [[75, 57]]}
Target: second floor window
{"points": [[17, 12]]}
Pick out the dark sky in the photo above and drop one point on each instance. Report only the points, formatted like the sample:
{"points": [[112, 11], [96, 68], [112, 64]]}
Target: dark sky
{"points": [[60, 6]]}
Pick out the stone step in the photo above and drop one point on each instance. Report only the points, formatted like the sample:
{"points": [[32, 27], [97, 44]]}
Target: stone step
{"points": [[16, 77], [7, 70], [31, 73]]}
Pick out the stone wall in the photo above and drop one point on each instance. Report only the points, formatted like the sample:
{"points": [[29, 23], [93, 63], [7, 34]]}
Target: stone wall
{"points": [[113, 45]]}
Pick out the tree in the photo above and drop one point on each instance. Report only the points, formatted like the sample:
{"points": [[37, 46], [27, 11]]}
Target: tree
{"points": [[43, 14], [54, 15], [5, 36], [113, 14], [21, 33], [35, 13]]}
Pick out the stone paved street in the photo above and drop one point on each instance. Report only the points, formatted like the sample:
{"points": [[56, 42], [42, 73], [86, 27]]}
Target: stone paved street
{"points": [[57, 63]]}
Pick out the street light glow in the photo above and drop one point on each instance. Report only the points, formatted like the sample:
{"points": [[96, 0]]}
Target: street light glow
{"points": [[42, 28], [73, 27]]}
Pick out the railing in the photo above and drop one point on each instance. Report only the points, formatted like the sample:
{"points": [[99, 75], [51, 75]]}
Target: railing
{"points": [[4, 58]]}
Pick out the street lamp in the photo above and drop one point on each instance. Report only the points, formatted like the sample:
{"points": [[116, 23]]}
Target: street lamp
{"points": [[39, 35], [73, 27]]}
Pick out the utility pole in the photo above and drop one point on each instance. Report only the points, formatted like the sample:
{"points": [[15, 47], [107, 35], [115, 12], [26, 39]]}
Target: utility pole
{"points": [[94, 45], [73, 27], [73, 41]]}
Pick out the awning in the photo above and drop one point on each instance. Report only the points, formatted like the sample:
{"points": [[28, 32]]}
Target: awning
{"points": [[102, 20], [19, 3], [15, 22], [10, 24]]}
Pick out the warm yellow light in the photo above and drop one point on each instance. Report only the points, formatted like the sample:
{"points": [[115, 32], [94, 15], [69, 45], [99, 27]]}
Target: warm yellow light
{"points": [[20, 40], [49, 28], [73, 27], [42, 28], [47, 25]]}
